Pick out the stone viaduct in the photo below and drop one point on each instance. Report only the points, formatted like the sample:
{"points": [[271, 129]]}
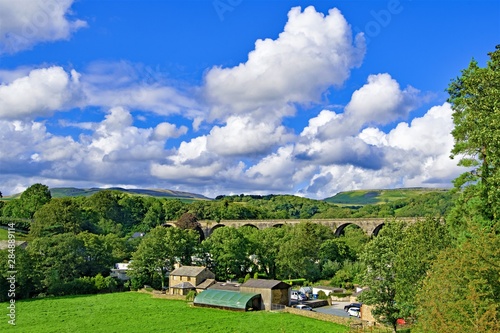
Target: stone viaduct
{"points": [[371, 226]]}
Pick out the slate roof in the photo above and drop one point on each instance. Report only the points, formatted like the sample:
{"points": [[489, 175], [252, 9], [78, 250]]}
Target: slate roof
{"points": [[184, 285], [225, 286], [265, 284], [205, 284], [187, 271]]}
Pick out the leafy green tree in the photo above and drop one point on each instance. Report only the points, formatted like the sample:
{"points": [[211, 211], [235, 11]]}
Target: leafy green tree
{"points": [[154, 216], [380, 258], [299, 252], [23, 274], [461, 292], [267, 246], [159, 251], [420, 246], [229, 255], [173, 209], [106, 204], [57, 217], [349, 274], [14, 209], [336, 249], [355, 238], [101, 252], [56, 259], [333, 254], [476, 116], [33, 198], [133, 210]]}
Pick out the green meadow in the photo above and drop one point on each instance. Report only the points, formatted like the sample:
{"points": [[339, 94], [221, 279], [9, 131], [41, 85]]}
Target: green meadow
{"points": [[136, 312], [374, 197], [4, 235]]}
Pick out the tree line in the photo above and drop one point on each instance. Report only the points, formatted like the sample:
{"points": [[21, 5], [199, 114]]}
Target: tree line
{"points": [[111, 211]]}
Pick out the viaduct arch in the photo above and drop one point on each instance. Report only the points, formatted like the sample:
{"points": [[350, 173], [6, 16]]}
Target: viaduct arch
{"points": [[371, 226]]}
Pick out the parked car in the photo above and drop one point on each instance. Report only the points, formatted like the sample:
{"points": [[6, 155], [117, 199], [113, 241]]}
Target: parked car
{"points": [[352, 305], [353, 311], [304, 307]]}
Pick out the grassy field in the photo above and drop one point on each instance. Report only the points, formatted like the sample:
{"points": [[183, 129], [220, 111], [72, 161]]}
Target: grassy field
{"points": [[4, 235], [371, 197], [136, 312]]}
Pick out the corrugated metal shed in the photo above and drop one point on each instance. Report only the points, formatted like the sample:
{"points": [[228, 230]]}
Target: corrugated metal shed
{"points": [[227, 299]]}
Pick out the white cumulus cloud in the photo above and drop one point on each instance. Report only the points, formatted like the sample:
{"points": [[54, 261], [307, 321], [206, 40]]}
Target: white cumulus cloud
{"points": [[242, 136], [313, 53], [24, 23], [42, 92]]}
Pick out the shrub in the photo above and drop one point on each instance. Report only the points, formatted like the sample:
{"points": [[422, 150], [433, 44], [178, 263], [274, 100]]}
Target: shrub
{"points": [[322, 295], [191, 295]]}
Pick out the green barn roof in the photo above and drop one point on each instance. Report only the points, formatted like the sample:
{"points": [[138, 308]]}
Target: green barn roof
{"points": [[225, 299]]}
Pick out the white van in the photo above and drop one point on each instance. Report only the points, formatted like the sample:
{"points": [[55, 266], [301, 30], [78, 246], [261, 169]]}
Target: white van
{"points": [[297, 296]]}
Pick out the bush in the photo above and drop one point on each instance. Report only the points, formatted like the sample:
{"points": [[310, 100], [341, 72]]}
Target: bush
{"points": [[83, 285], [322, 295], [191, 295]]}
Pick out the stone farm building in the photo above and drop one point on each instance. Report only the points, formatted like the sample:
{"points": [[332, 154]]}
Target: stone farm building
{"points": [[273, 292], [187, 278], [255, 294]]}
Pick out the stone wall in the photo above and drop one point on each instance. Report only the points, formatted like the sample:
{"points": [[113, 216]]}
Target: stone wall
{"points": [[349, 322]]}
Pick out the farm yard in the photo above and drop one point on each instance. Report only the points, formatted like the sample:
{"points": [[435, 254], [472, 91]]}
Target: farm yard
{"points": [[137, 312]]}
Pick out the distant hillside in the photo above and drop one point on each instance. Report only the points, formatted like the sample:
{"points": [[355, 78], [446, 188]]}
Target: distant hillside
{"points": [[373, 197], [61, 192]]}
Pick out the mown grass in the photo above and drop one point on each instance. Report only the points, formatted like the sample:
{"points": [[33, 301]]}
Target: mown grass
{"points": [[4, 235], [136, 312]]}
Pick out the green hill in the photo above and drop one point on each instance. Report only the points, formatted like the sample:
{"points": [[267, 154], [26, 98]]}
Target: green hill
{"points": [[64, 192], [374, 197], [60, 192]]}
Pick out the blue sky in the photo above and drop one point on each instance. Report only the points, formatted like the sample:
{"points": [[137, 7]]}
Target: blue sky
{"points": [[234, 96]]}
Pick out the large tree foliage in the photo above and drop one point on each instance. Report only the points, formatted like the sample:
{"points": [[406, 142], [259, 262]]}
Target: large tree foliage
{"points": [[155, 216], [56, 259], [101, 252], [462, 290], [229, 253], [268, 242], [380, 257], [421, 244], [159, 251], [475, 101], [32, 199], [299, 252], [23, 274], [57, 217]]}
